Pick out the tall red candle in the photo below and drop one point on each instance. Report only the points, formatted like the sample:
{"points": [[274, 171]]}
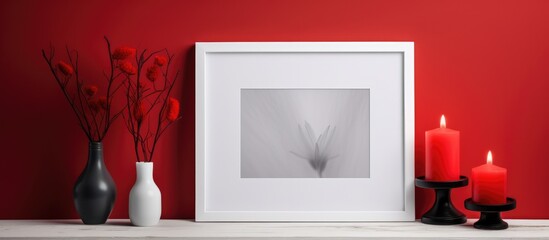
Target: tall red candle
{"points": [[442, 153], [489, 183]]}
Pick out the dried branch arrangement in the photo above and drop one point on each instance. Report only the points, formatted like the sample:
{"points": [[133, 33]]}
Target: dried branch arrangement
{"points": [[92, 107], [150, 109]]}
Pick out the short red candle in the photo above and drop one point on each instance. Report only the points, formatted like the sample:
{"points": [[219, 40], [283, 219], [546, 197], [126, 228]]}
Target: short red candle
{"points": [[489, 183], [442, 153]]}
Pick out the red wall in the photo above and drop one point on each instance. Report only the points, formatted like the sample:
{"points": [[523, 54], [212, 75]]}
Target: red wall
{"points": [[481, 63]]}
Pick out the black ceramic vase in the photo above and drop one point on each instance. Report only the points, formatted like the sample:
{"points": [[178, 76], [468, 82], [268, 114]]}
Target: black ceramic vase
{"points": [[94, 191]]}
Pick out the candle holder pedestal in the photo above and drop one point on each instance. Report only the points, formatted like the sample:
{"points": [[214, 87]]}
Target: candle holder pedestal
{"points": [[443, 211], [490, 215]]}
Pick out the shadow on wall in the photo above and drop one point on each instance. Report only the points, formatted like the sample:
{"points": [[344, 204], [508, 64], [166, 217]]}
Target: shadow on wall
{"points": [[186, 141]]}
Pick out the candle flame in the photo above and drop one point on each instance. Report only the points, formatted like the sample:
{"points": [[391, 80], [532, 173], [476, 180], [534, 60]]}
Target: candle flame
{"points": [[442, 121], [489, 158]]}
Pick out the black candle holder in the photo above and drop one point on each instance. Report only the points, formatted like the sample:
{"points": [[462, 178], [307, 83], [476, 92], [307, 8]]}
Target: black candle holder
{"points": [[443, 211], [490, 215]]}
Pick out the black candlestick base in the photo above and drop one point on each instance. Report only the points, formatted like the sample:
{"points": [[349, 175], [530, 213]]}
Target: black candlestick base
{"points": [[490, 217], [443, 211]]}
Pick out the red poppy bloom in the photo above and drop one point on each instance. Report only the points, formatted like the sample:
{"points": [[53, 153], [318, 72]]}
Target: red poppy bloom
{"points": [[160, 60], [153, 73], [102, 100], [172, 112], [122, 53], [65, 68], [127, 68], [90, 90], [139, 111]]}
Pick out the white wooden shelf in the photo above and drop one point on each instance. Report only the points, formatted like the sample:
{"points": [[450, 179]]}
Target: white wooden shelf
{"points": [[188, 229]]}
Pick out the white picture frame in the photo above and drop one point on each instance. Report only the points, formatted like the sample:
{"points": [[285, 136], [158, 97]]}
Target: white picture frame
{"points": [[225, 69]]}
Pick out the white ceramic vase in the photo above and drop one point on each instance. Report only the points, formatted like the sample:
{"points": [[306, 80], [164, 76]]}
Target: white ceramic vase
{"points": [[145, 198]]}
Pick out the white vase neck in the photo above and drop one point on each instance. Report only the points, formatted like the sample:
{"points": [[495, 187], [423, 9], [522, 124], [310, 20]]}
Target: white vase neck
{"points": [[144, 171]]}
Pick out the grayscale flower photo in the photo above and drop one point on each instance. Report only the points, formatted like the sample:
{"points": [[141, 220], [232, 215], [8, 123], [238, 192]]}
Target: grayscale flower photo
{"points": [[305, 133]]}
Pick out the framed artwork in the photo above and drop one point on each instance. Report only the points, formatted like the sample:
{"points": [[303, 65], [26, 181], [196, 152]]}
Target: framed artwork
{"points": [[305, 131]]}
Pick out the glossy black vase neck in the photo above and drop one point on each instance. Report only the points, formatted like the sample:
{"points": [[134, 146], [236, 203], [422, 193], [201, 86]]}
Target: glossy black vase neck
{"points": [[95, 156], [96, 145]]}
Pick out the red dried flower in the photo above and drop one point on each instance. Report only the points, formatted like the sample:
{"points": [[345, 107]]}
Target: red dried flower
{"points": [[139, 111], [153, 73], [127, 67], [90, 90], [122, 53], [160, 60], [102, 100], [65, 68], [172, 112], [94, 104]]}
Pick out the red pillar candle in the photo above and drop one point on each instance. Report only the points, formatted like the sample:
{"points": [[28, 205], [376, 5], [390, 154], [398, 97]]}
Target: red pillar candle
{"points": [[442, 153], [489, 183]]}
